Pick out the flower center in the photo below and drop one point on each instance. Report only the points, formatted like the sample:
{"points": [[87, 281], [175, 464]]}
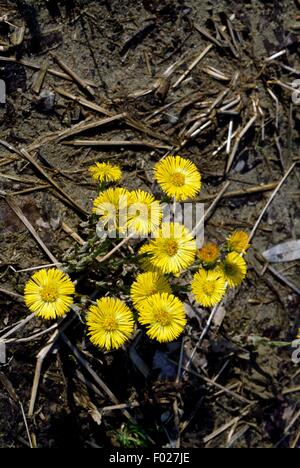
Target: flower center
{"points": [[49, 293], [178, 179], [110, 324], [162, 317], [171, 247], [149, 291], [209, 253], [230, 269], [209, 288]]}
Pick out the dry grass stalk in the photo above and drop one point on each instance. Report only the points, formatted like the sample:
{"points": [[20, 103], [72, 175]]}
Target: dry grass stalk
{"points": [[30, 228], [39, 80], [33, 66], [122, 143], [242, 193], [82, 83]]}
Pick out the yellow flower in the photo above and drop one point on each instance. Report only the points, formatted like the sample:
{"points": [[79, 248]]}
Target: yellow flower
{"points": [[145, 261], [173, 250], [146, 285], [234, 269], [209, 253], [144, 213], [110, 323], [178, 177], [105, 172], [208, 287], [49, 293], [111, 206], [146, 265], [145, 249], [238, 242], [164, 316]]}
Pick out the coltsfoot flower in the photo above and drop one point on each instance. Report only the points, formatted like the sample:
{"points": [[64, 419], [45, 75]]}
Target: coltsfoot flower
{"points": [[49, 293], [209, 254], [164, 316], [111, 206], [233, 269], [179, 178], [146, 285], [238, 242], [105, 172], [208, 287], [173, 250], [110, 323], [144, 213]]}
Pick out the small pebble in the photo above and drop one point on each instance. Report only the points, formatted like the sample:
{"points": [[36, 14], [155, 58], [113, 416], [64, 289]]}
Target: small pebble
{"points": [[46, 101]]}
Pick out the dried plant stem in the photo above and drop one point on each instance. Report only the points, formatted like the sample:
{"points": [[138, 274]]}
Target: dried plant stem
{"points": [[30, 190], [108, 143], [211, 208], [88, 126], [242, 193], [203, 335], [84, 102], [49, 265], [68, 230], [228, 425], [276, 100], [18, 327], [24, 154], [97, 379], [30, 228], [32, 337], [129, 120], [192, 66], [283, 279], [253, 232], [38, 369], [11, 293], [276, 56], [207, 35], [26, 425], [212, 383], [224, 144], [82, 83], [228, 146], [115, 249], [237, 142], [40, 360], [38, 67], [38, 83]]}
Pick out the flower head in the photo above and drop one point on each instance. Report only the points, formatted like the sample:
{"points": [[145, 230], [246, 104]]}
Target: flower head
{"points": [[173, 250], [164, 316], [209, 253], [178, 177], [105, 172], [144, 213], [146, 285], [233, 269], [110, 323], [238, 242], [145, 261], [49, 293], [208, 287], [111, 206]]}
